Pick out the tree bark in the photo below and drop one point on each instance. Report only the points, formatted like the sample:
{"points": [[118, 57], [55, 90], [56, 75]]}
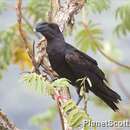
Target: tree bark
{"points": [[67, 11], [5, 123]]}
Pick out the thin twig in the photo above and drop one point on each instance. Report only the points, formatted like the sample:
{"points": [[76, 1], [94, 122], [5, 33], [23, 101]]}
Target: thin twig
{"points": [[85, 102], [19, 16], [111, 59], [60, 114], [23, 36]]}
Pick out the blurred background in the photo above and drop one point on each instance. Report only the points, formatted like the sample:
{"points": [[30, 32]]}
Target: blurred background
{"points": [[107, 40]]}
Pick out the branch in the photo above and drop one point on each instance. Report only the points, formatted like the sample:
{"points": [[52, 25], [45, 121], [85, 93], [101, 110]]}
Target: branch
{"points": [[111, 59], [5, 123], [23, 36], [54, 7], [61, 117], [22, 33], [67, 11], [19, 16]]}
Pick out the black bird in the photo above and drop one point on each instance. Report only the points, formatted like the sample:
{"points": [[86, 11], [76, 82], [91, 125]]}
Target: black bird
{"points": [[73, 64]]}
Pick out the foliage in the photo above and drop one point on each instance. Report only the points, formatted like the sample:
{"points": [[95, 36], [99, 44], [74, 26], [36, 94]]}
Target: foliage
{"points": [[44, 120], [21, 58], [73, 114], [38, 10], [6, 37], [12, 49], [123, 12], [89, 37], [5, 51], [38, 83], [43, 86], [11, 45], [61, 83], [97, 5], [2, 6]]}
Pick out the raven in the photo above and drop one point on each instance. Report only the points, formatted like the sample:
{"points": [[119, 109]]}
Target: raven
{"points": [[73, 64]]}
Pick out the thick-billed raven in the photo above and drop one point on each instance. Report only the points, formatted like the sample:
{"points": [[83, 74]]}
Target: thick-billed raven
{"points": [[73, 64]]}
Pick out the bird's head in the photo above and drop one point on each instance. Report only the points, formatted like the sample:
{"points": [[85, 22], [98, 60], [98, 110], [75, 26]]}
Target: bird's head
{"points": [[49, 30]]}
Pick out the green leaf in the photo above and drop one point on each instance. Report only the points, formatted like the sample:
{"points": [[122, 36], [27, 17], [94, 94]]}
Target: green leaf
{"points": [[89, 37], [42, 86], [69, 105], [61, 83], [86, 127], [123, 12], [38, 9], [74, 115], [77, 119], [38, 83], [2, 6], [46, 117], [97, 6]]}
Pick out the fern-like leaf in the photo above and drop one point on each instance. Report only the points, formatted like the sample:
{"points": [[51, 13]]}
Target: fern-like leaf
{"points": [[74, 115], [38, 83], [61, 83], [98, 5], [89, 38], [44, 118], [123, 12], [41, 85]]}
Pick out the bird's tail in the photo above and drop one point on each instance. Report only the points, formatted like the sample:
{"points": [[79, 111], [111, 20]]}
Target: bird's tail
{"points": [[110, 97]]}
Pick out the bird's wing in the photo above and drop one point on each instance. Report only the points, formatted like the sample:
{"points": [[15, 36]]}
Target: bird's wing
{"points": [[80, 62], [88, 58]]}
